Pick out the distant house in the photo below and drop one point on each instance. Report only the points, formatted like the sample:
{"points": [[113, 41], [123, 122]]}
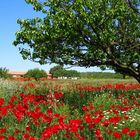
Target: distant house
{"points": [[19, 74], [16, 74], [49, 76], [73, 78]]}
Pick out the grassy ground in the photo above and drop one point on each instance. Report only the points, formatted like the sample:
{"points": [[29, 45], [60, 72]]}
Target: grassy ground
{"points": [[70, 110]]}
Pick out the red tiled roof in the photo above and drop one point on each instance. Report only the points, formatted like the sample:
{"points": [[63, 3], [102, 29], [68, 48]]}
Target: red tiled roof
{"points": [[16, 73], [21, 73]]}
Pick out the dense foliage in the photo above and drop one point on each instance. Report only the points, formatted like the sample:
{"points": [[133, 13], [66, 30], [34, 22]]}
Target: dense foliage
{"points": [[103, 33], [59, 71], [36, 73], [4, 73], [101, 75], [134, 5]]}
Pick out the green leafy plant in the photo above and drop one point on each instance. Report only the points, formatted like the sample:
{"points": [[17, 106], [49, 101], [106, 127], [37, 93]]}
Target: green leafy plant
{"points": [[36, 73], [59, 71], [4, 73]]}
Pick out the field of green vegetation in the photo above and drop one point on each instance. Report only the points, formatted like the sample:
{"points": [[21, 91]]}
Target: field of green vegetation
{"points": [[81, 109]]}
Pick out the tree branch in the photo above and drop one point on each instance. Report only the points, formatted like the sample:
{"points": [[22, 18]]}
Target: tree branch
{"points": [[132, 7]]}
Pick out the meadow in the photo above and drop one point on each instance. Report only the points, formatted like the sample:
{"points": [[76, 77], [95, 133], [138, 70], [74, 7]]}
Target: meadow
{"points": [[70, 110]]}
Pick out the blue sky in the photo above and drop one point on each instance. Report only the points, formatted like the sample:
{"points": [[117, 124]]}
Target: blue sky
{"points": [[10, 11]]}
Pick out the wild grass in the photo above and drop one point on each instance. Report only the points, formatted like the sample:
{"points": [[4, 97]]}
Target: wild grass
{"points": [[67, 109]]}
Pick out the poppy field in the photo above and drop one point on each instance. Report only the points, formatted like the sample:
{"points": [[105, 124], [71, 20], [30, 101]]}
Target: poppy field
{"points": [[69, 111]]}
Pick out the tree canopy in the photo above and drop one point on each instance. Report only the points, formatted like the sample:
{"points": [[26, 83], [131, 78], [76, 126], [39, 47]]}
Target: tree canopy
{"points": [[59, 71], [134, 5], [36, 73], [104, 33]]}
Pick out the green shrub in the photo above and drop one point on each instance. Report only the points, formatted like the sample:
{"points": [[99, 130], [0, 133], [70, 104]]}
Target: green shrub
{"points": [[35, 73], [59, 71], [4, 73]]}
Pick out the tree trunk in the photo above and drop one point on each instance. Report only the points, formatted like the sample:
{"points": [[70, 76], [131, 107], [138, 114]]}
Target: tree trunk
{"points": [[127, 70], [123, 76], [137, 78]]}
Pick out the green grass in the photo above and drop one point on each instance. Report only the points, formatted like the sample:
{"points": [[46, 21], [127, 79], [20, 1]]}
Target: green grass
{"points": [[75, 104]]}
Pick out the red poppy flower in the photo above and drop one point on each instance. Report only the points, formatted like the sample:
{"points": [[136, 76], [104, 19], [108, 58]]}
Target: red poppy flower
{"points": [[11, 138], [2, 130], [87, 118], [138, 132], [77, 135], [97, 120], [4, 110], [114, 120], [2, 137], [74, 125], [132, 133], [108, 131], [106, 123], [58, 95], [115, 111], [100, 137], [117, 135], [49, 131], [28, 128], [84, 108], [67, 135], [125, 130], [126, 117], [49, 112], [98, 132], [80, 138], [17, 131], [26, 136], [32, 138], [91, 126], [12, 99], [1, 101]]}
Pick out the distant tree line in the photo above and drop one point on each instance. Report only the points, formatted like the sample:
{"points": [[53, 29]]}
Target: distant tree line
{"points": [[32, 73], [59, 71], [102, 75]]}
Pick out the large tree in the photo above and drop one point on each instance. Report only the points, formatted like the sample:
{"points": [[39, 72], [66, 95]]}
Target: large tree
{"points": [[134, 5], [103, 33]]}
